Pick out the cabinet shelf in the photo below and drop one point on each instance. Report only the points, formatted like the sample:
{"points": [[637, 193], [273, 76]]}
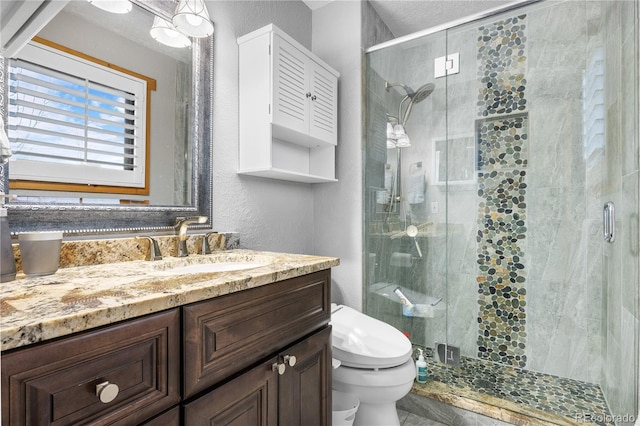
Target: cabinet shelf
{"points": [[288, 109], [283, 174]]}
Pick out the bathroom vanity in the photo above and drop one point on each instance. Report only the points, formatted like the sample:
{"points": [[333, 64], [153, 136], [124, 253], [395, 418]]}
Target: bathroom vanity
{"points": [[137, 343]]}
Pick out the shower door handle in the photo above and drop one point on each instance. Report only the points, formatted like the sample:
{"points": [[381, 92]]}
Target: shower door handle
{"points": [[609, 222]]}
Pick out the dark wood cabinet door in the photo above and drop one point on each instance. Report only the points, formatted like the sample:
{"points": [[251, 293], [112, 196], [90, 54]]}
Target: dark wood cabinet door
{"points": [[170, 418], [248, 400], [56, 383], [305, 388], [225, 335]]}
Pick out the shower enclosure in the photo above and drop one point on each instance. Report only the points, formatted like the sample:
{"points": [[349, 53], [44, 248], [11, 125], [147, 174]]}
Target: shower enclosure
{"points": [[488, 193]]}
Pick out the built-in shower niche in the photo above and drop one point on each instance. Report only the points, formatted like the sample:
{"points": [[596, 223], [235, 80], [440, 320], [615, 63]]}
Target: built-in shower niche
{"points": [[424, 306]]}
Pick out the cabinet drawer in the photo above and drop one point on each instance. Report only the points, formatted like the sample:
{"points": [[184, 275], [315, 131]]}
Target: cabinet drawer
{"points": [[229, 333], [55, 383]]}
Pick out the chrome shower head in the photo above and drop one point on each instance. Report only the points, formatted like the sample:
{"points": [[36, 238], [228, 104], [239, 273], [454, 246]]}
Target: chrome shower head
{"points": [[412, 96], [422, 93]]}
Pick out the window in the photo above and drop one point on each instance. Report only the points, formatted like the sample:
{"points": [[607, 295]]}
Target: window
{"points": [[77, 122]]}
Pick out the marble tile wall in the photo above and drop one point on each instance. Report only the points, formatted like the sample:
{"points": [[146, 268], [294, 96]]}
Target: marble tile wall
{"points": [[564, 305]]}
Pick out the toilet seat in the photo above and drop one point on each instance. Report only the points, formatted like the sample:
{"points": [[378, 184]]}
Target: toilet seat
{"points": [[361, 341], [385, 377]]}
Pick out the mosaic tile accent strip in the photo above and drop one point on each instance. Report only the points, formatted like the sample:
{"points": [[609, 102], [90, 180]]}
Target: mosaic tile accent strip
{"points": [[501, 58], [502, 151], [501, 277], [576, 400], [502, 143]]}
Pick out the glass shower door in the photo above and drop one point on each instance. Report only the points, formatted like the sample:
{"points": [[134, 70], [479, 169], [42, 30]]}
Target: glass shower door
{"points": [[405, 206], [550, 94]]}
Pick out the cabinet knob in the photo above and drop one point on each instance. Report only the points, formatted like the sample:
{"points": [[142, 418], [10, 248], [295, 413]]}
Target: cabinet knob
{"points": [[290, 359], [107, 392], [313, 98], [308, 95], [280, 368]]}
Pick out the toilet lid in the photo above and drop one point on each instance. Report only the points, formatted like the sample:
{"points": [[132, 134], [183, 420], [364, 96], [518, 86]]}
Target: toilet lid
{"points": [[361, 341]]}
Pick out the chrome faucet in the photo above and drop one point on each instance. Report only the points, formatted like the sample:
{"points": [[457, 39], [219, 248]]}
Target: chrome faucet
{"points": [[206, 247], [182, 223], [154, 248]]}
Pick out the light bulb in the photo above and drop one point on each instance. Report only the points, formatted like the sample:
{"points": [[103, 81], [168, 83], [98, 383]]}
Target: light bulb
{"points": [[192, 19], [398, 131], [390, 130], [164, 32], [113, 6], [404, 141]]}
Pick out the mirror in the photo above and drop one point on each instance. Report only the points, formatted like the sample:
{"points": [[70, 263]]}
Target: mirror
{"points": [[184, 168], [460, 168]]}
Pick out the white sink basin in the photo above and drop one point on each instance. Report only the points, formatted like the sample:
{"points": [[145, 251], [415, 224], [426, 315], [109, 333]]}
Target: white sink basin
{"points": [[201, 268]]}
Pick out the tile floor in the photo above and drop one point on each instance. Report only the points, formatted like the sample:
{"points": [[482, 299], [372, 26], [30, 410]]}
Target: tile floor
{"points": [[408, 419]]}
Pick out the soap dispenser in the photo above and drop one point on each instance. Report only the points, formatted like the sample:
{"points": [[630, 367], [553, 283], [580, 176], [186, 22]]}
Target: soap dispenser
{"points": [[7, 261], [421, 368]]}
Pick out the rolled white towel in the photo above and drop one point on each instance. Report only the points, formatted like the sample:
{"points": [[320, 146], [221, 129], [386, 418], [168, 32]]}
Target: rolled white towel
{"points": [[383, 197], [415, 193], [5, 146], [402, 260]]}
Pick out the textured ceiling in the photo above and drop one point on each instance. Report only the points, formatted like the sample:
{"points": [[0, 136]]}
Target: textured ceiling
{"points": [[408, 16]]}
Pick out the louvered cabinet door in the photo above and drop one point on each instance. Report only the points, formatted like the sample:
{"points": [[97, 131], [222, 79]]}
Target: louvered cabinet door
{"points": [[323, 122], [290, 87]]}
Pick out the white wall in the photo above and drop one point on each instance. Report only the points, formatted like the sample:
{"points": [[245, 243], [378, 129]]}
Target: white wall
{"points": [[268, 214], [338, 207], [322, 219]]}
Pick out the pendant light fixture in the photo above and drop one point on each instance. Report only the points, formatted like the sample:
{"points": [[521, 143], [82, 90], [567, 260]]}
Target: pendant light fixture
{"points": [[164, 32], [192, 19], [403, 141], [113, 6]]}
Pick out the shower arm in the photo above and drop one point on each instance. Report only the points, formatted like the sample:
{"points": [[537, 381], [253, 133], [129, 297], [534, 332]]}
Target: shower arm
{"points": [[407, 89]]}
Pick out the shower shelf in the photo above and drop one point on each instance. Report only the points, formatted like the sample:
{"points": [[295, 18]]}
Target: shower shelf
{"points": [[425, 306]]}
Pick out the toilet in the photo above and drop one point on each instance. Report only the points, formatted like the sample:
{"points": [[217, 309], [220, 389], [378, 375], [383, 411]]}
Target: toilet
{"points": [[375, 365]]}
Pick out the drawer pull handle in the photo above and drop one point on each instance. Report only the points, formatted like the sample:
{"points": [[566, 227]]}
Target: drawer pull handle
{"points": [[290, 359], [280, 368], [107, 392]]}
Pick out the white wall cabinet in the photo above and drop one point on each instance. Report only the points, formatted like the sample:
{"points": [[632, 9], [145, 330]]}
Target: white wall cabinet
{"points": [[288, 109]]}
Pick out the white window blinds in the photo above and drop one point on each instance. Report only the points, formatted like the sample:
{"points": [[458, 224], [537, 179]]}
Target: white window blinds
{"points": [[75, 121]]}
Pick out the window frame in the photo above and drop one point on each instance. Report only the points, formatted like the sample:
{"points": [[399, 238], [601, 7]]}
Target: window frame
{"points": [[150, 84]]}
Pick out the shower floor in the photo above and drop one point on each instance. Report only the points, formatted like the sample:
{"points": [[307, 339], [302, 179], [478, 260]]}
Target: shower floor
{"points": [[550, 399]]}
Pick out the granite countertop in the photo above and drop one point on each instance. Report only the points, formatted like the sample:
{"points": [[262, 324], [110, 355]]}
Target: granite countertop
{"points": [[34, 309]]}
